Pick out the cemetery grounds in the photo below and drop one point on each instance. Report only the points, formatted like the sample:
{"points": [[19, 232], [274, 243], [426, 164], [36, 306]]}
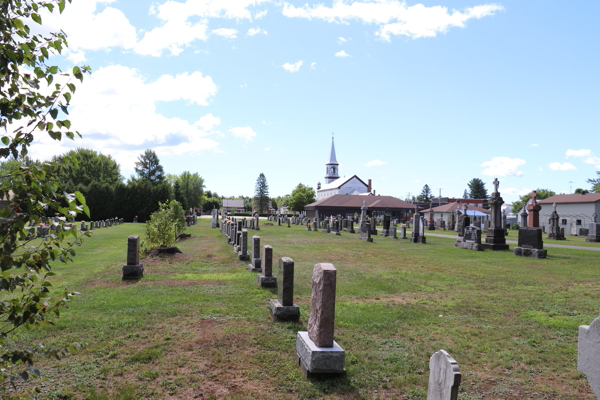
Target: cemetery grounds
{"points": [[197, 325]]}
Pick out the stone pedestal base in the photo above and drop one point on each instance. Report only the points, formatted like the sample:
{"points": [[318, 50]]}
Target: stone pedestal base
{"points": [[385, 233], [318, 360], [431, 227], [366, 239], [243, 257], [335, 233], [533, 253], [418, 240], [253, 268], [494, 247], [592, 238], [283, 313], [266, 281], [133, 272], [469, 246]]}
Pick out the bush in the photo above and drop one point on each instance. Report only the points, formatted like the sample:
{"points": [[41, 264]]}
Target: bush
{"points": [[514, 227], [162, 228], [178, 216]]}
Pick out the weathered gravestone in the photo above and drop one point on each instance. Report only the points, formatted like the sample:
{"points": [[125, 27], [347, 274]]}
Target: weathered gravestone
{"points": [[214, 217], [266, 279], [431, 224], [555, 232], [386, 226], [588, 349], [373, 226], [365, 231], [496, 239], [393, 230], [530, 243], [83, 227], [288, 222], [256, 265], [283, 308], [471, 239], [444, 377], [133, 269], [243, 253], [593, 230], [404, 232], [418, 235], [316, 351]]}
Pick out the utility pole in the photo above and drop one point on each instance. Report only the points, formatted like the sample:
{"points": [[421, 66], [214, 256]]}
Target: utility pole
{"points": [[440, 197], [571, 186]]}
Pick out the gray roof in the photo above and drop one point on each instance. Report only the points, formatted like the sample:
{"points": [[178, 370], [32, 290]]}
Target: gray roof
{"points": [[233, 203]]}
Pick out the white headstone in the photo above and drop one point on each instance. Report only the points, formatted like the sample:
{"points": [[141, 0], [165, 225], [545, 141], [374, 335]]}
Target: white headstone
{"points": [[588, 348], [444, 377]]}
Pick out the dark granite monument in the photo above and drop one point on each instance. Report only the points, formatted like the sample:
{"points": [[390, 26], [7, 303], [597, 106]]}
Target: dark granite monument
{"points": [[496, 239], [283, 308], [133, 269], [593, 230], [471, 239]]}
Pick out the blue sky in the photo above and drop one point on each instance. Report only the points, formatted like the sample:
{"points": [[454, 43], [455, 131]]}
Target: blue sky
{"points": [[417, 92]]}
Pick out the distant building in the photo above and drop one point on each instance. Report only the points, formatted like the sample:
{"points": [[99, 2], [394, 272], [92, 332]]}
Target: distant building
{"points": [[230, 204], [348, 205], [335, 185], [445, 212], [574, 210]]}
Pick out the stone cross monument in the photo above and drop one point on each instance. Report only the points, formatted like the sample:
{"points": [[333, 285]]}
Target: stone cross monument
{"points": [[534, 211], [495, 239]]}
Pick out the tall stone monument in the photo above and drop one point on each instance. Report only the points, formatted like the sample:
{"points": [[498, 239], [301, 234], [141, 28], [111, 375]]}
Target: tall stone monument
{"points": [[495, 239], [555, 232], [266, 279], [431, 223], [385, 232], [256, 265], [530, 237], [316, 351], [588, 354], [365, 231], [593, 230], [214, 217], [243, 252], [418, 235], [133, 269], [283, 308], [444, 377], [363, 212]]}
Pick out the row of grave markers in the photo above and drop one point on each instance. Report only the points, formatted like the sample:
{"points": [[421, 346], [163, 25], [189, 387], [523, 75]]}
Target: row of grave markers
{"points": [[316, 350]]}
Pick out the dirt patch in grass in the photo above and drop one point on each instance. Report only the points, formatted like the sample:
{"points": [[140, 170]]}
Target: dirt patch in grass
{"points": [[404, 298], [182, 282]]}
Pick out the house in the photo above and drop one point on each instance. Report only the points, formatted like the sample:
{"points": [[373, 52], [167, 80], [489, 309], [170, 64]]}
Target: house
{"points": [[348, 205], [574, 210], [230, 204], [446, 211]]}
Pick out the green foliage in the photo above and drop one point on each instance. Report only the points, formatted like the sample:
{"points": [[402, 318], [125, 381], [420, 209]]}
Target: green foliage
{"points": [[210, 203], [31, 102], [301, 196], [192, 189], [465, 194], [177, 192], [165, 225], [11, 165], [261, 194], [541, 195], [425, 195], [477, 189], [595, 183], [581, 191], [91, 167], [148, 167], [178, 216]]}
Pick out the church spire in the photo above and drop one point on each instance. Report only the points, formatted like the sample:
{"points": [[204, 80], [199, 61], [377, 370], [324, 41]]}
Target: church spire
{"points": [[332, 159]]}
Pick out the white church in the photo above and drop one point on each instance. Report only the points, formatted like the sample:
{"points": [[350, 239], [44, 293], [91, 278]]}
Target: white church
{"points": [[336, 185]]}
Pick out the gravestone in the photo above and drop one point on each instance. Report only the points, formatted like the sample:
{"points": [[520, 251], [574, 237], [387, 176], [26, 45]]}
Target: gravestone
{"points": [[531, 243], [266, 279], [214, 217], [363, 212], [588, 354], [316, 351], [418, 235], [463, 220], [393, 230], [288, 222], [257, 223], [593, 230], [386, 226], [309, 226], [431, 224], [523, 216], [444, 377], [133, 269], [496, 239], [283, 308], [365, 231], [404, 232], [315, 224], [256, 265], [336, 224], [326, 227], [534, 212], [555, 232], [83, 227], [583, 232], [471, 239], [243, 252], [373, 226]]}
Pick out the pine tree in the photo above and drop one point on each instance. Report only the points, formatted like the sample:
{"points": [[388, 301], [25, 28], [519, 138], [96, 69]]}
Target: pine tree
{"points": [[477, 189], [178, 195], [148, 167], [425, 195], [465, 194], [261, 194]]}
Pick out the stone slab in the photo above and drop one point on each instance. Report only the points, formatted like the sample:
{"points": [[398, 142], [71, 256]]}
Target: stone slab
{"points": [[588, 354], [319, 360], [469, 246], [280, 312], [444, 377], [266, 282], [132, 272], [529, 252]]}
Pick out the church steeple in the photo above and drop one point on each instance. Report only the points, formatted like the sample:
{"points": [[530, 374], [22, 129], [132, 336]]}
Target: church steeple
{"points": [[332, 172]]}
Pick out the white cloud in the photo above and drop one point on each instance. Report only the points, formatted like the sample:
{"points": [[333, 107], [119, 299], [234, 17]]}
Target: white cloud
{"points": [[293, 67], [261, 14], [393, 17], [535, 145], [116, 112], [375, 163], [256, 31], [417, 180], [342, 40], [515, 192], [342, 54], [178, 30], [245, 133], [229, 33], [556, 166], [267, 149], [313, 65], [540, 169], [503, 166], [579, 153], [76, 57], [590, 157]]}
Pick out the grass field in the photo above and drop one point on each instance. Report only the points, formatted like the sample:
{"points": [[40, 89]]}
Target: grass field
{"points": [[197, 326]]}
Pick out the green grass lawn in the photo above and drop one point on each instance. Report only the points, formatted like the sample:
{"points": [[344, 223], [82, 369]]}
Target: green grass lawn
{"points": [[197, 326]]}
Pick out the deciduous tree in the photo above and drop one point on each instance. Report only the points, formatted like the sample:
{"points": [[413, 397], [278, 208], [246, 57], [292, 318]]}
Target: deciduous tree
{"points": [[302, 195]]}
